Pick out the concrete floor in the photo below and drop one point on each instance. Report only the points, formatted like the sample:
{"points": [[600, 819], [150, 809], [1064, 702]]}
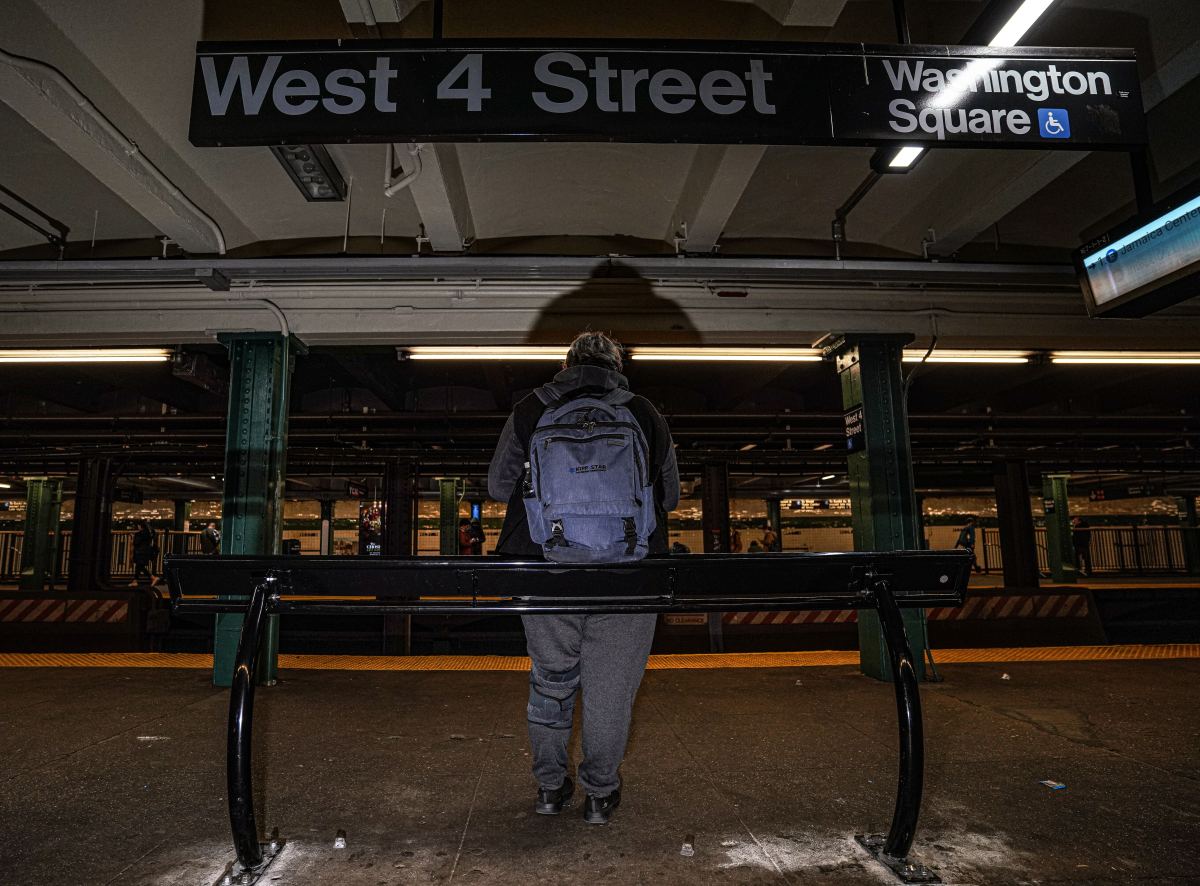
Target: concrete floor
{"points": [[116, 776]]}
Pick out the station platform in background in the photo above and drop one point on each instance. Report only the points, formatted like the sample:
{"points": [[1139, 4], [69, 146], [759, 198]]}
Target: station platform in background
{"points": [[426, 773]]}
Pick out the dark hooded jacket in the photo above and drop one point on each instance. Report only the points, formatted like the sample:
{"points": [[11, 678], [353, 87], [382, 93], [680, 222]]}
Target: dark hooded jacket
{"points": [[508, 463]]}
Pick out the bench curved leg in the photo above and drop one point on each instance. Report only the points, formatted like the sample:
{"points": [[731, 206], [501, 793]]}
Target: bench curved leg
{"points": [[241, 733], [893, 849]]}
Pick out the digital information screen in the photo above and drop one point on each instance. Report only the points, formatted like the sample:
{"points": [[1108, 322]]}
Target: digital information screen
{"points": [[1147, 264]]}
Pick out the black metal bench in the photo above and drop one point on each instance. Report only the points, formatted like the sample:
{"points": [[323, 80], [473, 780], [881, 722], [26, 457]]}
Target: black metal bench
{"points": [[883, 582]]}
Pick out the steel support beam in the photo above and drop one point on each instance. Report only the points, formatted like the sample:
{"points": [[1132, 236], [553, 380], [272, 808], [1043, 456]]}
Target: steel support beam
{"points": [[1015, 517], [775, 521], [1191, 533], [260, 370], [883, 505], [327, 517], [39, 549], [400, 508], [714, 518], [1060, 553], [179, 525], [91, 529], [449, 493]]}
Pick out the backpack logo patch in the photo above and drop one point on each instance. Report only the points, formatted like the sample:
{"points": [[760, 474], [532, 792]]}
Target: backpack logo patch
{"points": [[587, 469]]}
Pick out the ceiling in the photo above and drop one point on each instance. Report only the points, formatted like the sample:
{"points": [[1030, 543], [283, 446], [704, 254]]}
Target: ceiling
{"points": [[133, 60], [980, 212]]}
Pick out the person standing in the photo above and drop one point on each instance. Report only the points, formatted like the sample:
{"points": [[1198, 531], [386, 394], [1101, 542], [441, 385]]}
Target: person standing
{"points": [[966, 541], [1081, 541], [602, 654], [144, 552], [210, 540]]}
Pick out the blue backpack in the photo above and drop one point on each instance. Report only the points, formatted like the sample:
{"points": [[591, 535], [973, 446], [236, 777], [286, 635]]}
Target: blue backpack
{"points": [[587, 487]]}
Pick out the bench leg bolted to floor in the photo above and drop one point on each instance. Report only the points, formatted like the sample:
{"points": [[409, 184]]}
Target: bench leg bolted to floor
{"points": [[253, 857], [892, 850], [883, 582]]}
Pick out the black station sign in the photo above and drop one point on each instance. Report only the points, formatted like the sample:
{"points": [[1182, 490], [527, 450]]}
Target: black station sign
{"points": [[856, 430], [723, 93]]}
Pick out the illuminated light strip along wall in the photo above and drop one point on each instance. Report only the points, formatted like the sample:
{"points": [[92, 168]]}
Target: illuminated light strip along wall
{"points": [[661, 354], [85, 355], [1139, 358]]}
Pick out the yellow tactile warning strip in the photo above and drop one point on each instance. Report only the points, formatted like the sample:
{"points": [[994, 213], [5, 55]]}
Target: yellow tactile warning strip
{"points": [[657, 662]]}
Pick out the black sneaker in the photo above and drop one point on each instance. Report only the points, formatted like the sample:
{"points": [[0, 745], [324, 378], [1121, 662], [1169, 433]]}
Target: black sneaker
{"points": [[552, 802], [598, 810]]}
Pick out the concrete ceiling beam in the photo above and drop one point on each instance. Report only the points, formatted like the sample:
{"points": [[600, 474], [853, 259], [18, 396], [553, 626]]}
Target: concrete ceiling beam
{"points": [[1040, 170], [801, 13], [373, 12], [715, 183], [441, 198]]}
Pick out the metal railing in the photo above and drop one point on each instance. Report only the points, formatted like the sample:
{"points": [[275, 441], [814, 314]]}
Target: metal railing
{"points": [[1116, 550]]}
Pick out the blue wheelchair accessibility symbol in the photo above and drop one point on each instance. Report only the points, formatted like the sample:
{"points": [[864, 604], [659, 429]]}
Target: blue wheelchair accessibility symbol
{"points": [[1054, 123]]}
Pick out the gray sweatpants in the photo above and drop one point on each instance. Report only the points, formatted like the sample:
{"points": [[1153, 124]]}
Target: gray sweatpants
{"points": [[606, 656]]}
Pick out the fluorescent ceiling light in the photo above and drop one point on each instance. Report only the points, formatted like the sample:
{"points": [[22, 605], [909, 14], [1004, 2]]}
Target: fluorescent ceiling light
{"points": [[559, 352], [501, 352], [747, 447], [5, 486], [85, 355], [822, 446], [1010, 34], [1020, 22], [1140, 358], [905, 157], [951, 355], [731, 355], [829, 477]]}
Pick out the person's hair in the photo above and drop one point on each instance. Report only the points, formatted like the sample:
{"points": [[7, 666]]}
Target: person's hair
{"points": [[595, 349]]}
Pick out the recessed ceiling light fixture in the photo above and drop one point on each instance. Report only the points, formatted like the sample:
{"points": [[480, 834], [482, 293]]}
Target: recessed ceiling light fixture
{"points": [[313, 171], [85, 355]]}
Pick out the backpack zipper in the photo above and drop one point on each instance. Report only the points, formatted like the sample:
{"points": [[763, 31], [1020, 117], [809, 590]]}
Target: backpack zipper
{"points": [[546, 441]]}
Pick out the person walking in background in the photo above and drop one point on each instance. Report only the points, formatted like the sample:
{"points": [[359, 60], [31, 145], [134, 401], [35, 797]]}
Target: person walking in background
{"points": [[735, 540], [144, 552], [1081, 541], [966, 541], [210, 540], [770, 539]]}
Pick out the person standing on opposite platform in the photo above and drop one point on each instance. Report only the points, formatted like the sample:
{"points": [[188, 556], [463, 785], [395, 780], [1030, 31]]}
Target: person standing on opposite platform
{"points": [[604, 655], [966, 541], [1081, 541], [210, 540], [144, 552]]}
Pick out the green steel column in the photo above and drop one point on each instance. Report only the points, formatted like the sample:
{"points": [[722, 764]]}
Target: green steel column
{"points": [[448, 494], [260, 370], [883, 504], [1191, 534], [1060, 553], [39, 550]]}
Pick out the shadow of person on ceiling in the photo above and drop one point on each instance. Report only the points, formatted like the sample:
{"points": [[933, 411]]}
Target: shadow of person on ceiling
{"points": [[618, 300]]}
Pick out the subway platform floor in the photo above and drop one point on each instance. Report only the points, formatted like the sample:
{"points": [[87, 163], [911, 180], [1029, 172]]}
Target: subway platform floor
{"points": [[116, 776]]}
